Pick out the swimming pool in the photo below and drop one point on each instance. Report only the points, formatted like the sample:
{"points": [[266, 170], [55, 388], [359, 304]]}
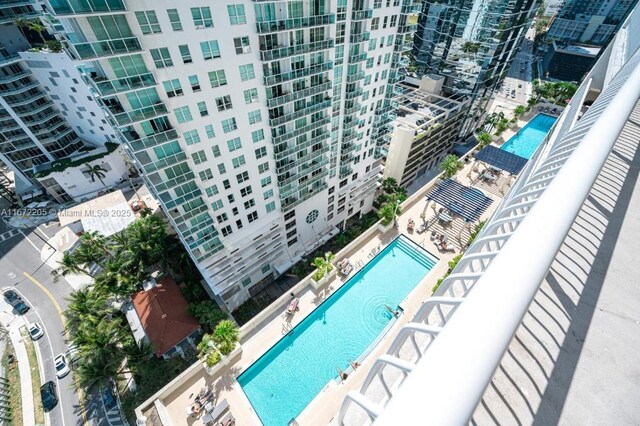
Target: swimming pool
{"points": [[285, 379], [526, 141]]}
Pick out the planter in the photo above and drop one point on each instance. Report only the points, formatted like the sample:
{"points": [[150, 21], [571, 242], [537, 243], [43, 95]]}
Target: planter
{"points": [[225, 361], [384, 228], [327, 277]]}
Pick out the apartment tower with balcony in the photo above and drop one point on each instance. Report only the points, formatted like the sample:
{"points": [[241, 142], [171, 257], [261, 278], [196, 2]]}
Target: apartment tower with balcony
{"points": [[259, 125], [472, 44]]}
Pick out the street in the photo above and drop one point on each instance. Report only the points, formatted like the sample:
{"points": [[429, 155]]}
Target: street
{"points": [[518, 84], [24, 271]]}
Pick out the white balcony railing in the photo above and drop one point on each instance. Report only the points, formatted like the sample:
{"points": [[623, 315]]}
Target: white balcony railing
{"points": [[438, 366]]}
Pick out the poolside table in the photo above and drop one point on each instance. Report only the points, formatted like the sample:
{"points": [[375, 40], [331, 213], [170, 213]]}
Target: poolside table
{"points": [[445, 217]]}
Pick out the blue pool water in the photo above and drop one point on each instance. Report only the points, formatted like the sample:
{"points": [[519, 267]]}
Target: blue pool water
{"points": [[283, 381], [526, 141]]}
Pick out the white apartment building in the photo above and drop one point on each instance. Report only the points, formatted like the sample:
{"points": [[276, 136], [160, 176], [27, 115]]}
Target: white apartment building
{"points": [[259, 125]]}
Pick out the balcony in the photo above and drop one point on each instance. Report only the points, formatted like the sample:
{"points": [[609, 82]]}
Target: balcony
{"points": [[5, 4], [65, 8], [358, 57], [164, 163], [17, 76], [146, 113], [298, 94], [277, 121], [353, 94], [355, 77], [283, 52], [107, 48], [359, 15], [270, 80], [292, 184], [294, 23], [289, 135], [20, 89], [300, 161], [304, 171], [318, 139], [28, 98], [9, 59], [146, 142], [113, 87], [359, 38]]}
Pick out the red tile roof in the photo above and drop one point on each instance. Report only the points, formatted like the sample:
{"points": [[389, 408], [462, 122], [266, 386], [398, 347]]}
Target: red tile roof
{"points": [[163, 314]]}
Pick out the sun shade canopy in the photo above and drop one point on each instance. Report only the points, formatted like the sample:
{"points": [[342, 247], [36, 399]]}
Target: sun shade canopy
{"points": [[501, 159], [467, 202]]}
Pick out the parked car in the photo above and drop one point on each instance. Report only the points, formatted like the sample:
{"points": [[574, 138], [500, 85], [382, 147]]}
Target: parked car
{"points": [[62, 367], [36, 331], [21, 307], [49, 396], [11, 296]]}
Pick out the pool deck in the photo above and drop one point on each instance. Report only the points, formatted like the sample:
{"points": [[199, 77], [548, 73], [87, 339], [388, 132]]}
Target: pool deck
{"points": [[169, 406]]}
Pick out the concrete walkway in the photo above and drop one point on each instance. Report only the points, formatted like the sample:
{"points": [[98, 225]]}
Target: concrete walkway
{"points": [[12, 324]]}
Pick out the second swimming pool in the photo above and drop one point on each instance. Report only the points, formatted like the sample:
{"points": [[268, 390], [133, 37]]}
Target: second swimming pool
{"points": [[286, 378], [526, 141]]}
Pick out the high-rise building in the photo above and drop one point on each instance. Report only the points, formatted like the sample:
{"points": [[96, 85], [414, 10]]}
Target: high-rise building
{"points": [[259, 125], [589, 21], [32, 129], [472, 44]]}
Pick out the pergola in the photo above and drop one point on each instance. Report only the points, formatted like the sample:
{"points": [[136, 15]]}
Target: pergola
{"points": [[468, 203], [499, 159]]}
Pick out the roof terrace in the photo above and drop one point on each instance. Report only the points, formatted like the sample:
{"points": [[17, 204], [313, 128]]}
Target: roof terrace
{"points": [[419, 110]]}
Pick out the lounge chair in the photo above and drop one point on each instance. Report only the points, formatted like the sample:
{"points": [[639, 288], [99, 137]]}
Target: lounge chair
{"points": [[228, 420], [293, 306], [346, 269]]}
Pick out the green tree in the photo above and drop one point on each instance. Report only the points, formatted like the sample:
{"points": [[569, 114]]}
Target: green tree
{"points": [[37, 26], [389, 185], [226, 335], [323, 265], [519, 111], [208, 352], [96, 172], [484, 138], [207, 313], [390, 210], [449, 166], [54, 46], [69, 265]]}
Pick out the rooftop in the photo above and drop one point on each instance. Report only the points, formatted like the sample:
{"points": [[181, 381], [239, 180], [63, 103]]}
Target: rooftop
{"points": [[107, 214], [419, 110], [162, 311]]}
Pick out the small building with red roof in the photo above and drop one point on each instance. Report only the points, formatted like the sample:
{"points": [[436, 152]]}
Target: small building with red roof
{"points": [[158, 315]]}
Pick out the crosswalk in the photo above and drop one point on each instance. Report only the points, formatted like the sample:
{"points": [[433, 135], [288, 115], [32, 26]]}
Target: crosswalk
{"points": [[8, 235]]}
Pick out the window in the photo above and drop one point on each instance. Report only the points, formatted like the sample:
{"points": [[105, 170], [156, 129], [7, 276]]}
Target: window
{"points": [[249, 203], [292, 242], [390, 38], [250, 96], [202, 17], [183, 114], [257, 135], [210, 49], [206, 175], [234, 144], [195, 84], [216, 151], [222, 217], [174, 18], [226, 184], [260, 152], [199, 157], [267, 194], [265, 181], [191, 137], [394, 19], [209, 130], [246, 281], [385, 20], [238, 162], [245, 191], [212, 190], [217, 205], [229, 125], [226, 230], [185, 53], [246, 72], [236, 14], [161, 57], [217, 78], [271, 206], [224, 103], [242, 177], [173, 88], [231, 198], [242, 45], [222, 169], [263, 167], [265, 268], [252, 216], [375, 23], [202, 107], [239, 225], [254, 117], [148, 22]]}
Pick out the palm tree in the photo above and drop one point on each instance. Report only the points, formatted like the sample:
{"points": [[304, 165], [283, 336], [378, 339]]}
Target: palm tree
{"points": [[69, 265], [389, 185], [96, 171], [225, 335], [22, 23], [449, 166], [86, 307], [37, 26], [484, 138]]}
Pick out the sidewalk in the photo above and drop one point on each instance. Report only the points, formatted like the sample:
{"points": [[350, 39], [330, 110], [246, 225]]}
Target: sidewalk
{"points": [[13, 324]]}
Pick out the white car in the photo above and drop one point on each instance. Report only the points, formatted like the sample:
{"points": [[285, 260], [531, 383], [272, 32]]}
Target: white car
{"points": [[36, 331], [62, 368]]}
